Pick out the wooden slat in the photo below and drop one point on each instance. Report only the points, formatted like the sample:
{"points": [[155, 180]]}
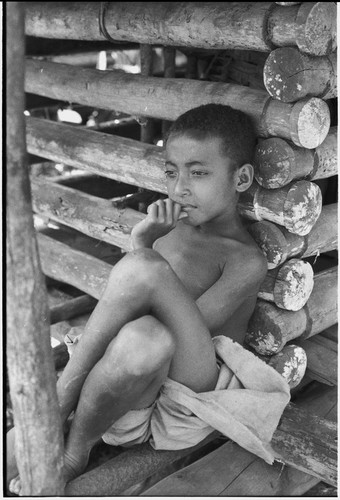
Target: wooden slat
{"points": [[210, 25], [306, 123], [322, 359]]}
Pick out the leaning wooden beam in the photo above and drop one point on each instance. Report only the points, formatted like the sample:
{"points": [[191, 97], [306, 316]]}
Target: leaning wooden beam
{"points": [[296, 207], [306, 123], [38, 432], [213, 25], [288, 286], [304, 441], [270, 328], [72, 307], [278, 244], [290, 75], [278, 162], [88, 214]]}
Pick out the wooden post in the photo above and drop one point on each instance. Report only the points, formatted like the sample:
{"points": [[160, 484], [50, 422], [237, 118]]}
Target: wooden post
{"points": [[278, 244], [306, 123], [38, 433], [296, 206], [212, 25], [289, 286], [290, 75], [278, 162], [270, 328]]}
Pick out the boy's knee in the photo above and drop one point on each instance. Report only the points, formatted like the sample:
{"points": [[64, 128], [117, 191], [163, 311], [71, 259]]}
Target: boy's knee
{"points": [[145, 265], [142, 347]]}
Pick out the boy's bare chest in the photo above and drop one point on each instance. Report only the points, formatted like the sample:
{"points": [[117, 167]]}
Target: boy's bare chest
{"points": [[198, 264]]}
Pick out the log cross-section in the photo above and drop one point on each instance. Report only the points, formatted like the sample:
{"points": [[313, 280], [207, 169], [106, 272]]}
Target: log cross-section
{"points": [[306, 123], [270, 328]]}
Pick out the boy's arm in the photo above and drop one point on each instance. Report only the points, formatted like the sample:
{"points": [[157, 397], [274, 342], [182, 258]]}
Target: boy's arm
{"points": [[241, 278]]}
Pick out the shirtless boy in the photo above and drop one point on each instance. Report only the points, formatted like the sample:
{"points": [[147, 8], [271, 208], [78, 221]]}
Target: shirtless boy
{"points": [[193, 273]]}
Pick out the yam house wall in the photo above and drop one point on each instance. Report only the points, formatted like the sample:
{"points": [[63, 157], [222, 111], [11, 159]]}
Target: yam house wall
{"points": [[188, 56]]}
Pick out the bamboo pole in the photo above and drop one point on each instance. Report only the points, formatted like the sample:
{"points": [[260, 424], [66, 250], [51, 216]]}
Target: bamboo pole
{"points": [[270, 328], [306, 123], [278, 162], [213, 25], [290, 75], [38, 433], [278, 244]]}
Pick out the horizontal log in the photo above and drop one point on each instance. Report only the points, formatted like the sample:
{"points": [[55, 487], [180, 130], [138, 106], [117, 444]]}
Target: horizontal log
{"points": [[296, 207], [72, 307], [245, 25], [63, 263], [278, 162], [305, 123], [278, 244], [88, 214], [290, 75], [119, 158], [270, 328], [288, 286], [322, 359]]}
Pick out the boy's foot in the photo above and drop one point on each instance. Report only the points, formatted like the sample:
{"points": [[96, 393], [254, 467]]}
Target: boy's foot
{"points": [[73, 467], [291, 363]]}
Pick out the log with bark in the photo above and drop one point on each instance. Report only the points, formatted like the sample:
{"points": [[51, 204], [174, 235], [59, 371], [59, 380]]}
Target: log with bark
{"points": [[245, 25], [306, 123], [270, 328], [278, 162], [278, 244], [290, 75]]}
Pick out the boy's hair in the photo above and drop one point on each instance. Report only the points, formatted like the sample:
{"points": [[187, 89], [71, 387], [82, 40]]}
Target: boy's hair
{"points": [[234, 127]]}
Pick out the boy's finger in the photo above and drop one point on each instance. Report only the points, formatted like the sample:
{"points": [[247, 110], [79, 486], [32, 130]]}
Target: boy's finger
{"points": [[161, 211], [177, 210], [152, 211], [169, 211]]}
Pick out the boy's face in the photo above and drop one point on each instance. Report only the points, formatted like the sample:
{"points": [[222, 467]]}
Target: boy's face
{"points": [[199, 177]]}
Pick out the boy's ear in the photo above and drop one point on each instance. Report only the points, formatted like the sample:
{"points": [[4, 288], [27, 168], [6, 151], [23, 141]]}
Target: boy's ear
{"points": [[244, 177]]}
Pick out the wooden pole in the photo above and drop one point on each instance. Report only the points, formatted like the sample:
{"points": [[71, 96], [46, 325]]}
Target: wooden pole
{"points": [[212, 25], [38, 433], [270, 328], [290, 75], [278, 162], [306, 123], [297, 206], [322, 359], [278, 244], [288, 286], [71, 308]]}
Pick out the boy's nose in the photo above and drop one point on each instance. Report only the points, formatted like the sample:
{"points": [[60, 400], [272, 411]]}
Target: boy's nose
{"points": [[181, 187]]}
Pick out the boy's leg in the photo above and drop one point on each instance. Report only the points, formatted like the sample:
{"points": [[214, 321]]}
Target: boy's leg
{"points": [[140, 284]]}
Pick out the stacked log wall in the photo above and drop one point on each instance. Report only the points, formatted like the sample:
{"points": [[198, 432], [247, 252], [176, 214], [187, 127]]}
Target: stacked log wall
{"points": [[296, 120]]}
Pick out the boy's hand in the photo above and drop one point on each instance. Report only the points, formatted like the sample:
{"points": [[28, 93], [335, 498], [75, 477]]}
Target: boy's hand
{"points": [[162, 217]]}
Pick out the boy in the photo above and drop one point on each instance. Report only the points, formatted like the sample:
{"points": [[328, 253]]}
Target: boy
{"points": [[193, 273]]}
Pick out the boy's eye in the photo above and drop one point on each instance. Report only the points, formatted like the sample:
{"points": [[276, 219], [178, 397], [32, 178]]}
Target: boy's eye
{"points": [[170, 173], [198, 173]]}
